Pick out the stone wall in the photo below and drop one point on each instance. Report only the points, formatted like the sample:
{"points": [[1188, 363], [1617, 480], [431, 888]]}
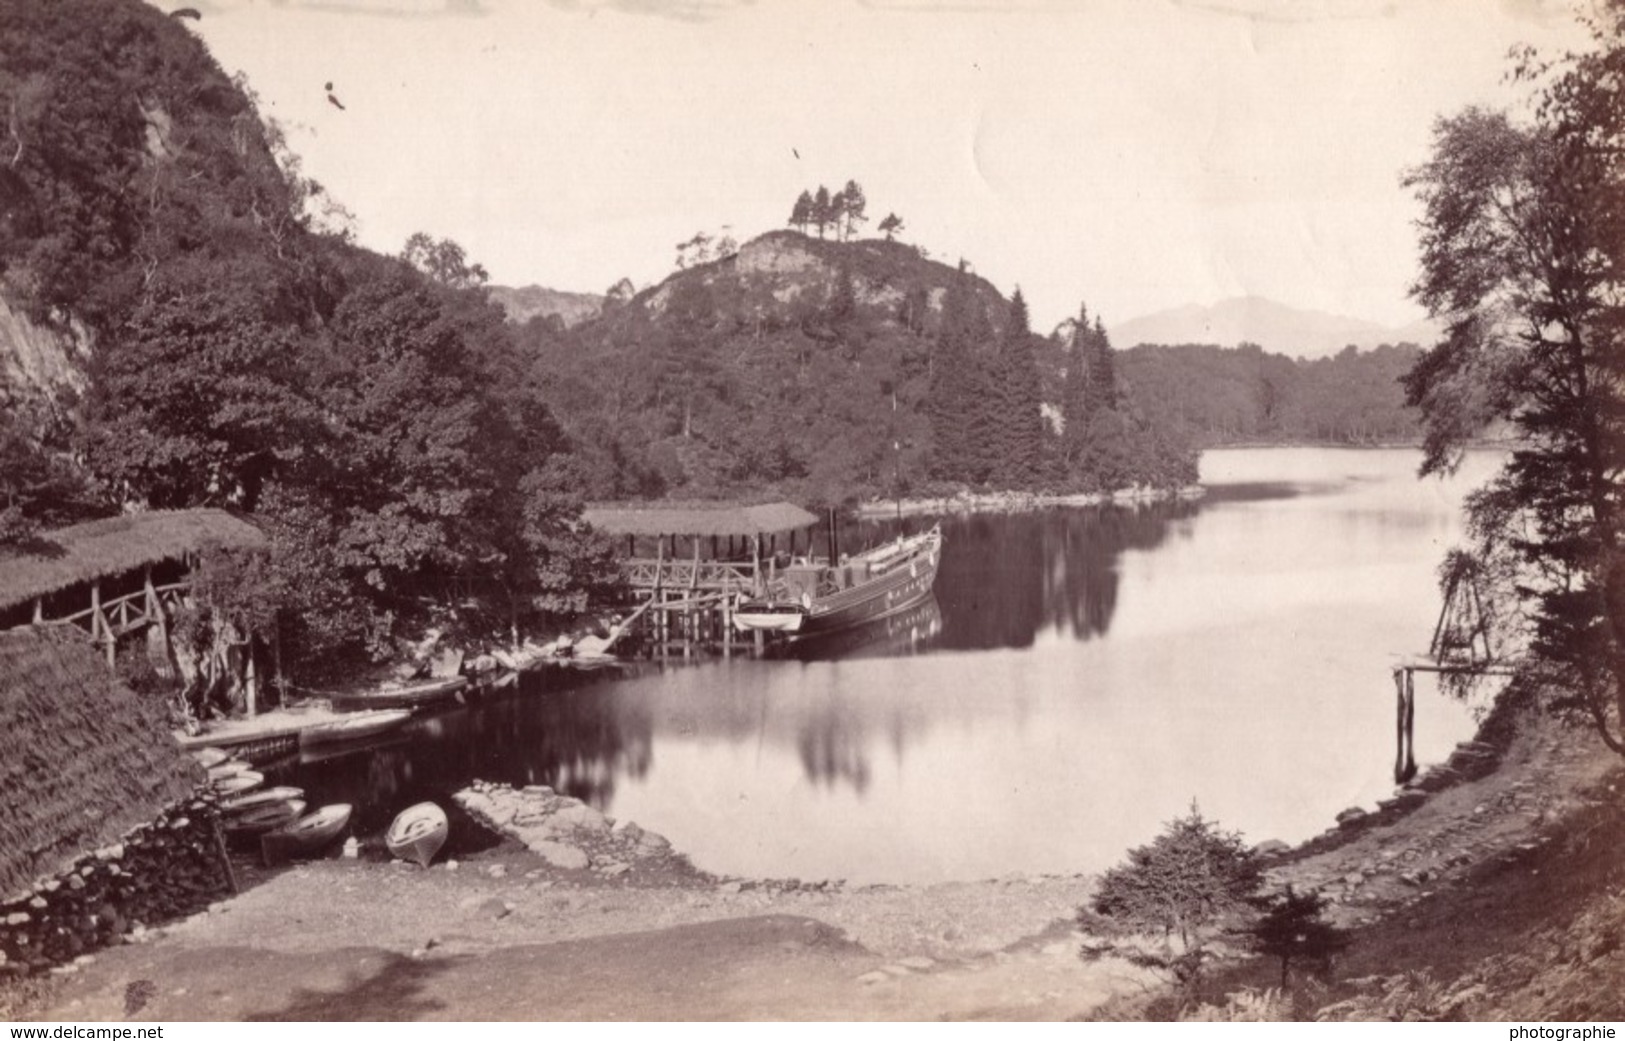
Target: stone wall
{"points": [[157, 871]]}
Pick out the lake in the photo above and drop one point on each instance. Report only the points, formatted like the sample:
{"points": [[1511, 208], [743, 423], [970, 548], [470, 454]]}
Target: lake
{"points": [[1081, 676]]}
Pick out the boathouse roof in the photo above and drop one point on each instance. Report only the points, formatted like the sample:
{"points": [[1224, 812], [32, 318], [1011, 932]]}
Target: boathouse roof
{"points": [[83, 553], [696, 518], [82, 757]]}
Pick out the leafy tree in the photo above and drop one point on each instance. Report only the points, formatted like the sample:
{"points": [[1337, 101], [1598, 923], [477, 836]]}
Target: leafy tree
{"points": [[1523, 245], [444, 261], [890, 226], [40, 488], [1293, 928], [1177, 891]]}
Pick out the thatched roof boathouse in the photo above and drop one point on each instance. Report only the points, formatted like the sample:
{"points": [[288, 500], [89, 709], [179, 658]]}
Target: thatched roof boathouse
{"points": [[82, 757], [119, 576], [106, 549], [104, 824]]}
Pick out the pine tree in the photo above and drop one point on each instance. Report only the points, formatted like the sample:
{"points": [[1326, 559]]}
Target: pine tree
{"points": [[823, 210], [802, 213], [1101, 372], [1074, 413], [951, 401], [1021, 445], [1292, 929], [890, 226], [852, 209]]}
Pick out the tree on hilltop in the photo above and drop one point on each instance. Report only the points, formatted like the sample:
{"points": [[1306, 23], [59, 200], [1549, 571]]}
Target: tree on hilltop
{"points": [[851, 209], [444, 261], [823, 210], [890, 225], [801, 214]]}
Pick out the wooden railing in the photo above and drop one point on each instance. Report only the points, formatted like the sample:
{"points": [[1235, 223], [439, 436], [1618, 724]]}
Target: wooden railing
{"points": [[130, 612], [697, 575]]}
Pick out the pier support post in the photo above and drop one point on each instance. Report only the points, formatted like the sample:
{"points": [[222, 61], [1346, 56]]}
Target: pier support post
{"points": [[1405, 725]]}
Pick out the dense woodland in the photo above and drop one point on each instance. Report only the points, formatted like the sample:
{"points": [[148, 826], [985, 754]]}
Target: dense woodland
{"points": [[826, 371], [1218, 395], [373, 413]]}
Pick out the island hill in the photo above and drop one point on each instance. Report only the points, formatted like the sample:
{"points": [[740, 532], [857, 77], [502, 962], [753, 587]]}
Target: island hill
{"points": [[825, 371], [808, 368]]}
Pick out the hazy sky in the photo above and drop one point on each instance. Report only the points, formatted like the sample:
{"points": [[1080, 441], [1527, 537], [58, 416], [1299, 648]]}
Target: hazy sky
{"points": [[1134, 154]]}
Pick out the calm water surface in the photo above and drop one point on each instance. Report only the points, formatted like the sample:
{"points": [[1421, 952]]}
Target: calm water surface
{"points": [[1080, 678]]}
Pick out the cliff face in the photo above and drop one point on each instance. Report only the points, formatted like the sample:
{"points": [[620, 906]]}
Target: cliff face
{"points": [[39, 364], [526, 302], [782, 268]]}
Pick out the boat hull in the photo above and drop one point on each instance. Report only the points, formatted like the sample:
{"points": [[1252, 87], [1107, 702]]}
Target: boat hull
{"points": [[354, 728], [309, 834], [898, 589], [417, 833], [414, 696]]}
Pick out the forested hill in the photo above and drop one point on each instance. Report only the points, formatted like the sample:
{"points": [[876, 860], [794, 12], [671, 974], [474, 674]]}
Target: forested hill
{"points": [[824, 370], [372, 413], [1219, 395]]}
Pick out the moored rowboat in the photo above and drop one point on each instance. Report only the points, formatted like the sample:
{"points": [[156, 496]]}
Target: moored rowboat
{"points": [[240, 782], [417, 833], [210, 756], [264, 818], [308, 834], [229, 768], [412, 696], [248, 800], [354, 727]]}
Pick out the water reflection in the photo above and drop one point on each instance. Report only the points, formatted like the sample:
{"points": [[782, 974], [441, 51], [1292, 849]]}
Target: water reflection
{"points": [[1007, 578], [554, 732], [1078, 677], [908, 632]]}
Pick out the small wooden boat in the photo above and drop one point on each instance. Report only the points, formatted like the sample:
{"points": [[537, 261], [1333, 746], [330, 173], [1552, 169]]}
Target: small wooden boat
{"points": [[265, 817], [229, 768], [354, 727], [247, 801], [412, 695], [308, 834], [417, 833], [239, 782], [816, 597], [210, 757]]}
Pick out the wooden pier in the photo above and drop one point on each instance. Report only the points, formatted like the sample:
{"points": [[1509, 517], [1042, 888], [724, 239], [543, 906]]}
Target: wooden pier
{"points": [[690, 563], [1461, 646]]}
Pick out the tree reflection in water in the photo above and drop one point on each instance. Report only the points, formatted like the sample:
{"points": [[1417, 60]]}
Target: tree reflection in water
{"points": [[576, 741], [1007, 577]]}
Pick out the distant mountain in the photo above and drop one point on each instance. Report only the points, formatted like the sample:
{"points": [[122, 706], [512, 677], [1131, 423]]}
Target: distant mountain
{"points": [[1273, 326], [527, 302]]}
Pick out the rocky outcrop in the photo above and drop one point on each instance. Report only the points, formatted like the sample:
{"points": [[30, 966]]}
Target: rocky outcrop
{"points": [[40, 364], [565, 832]]}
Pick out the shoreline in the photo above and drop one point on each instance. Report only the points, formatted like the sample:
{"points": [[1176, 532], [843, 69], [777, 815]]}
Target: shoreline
{"points": [[948, 949], [1017, 502]]}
